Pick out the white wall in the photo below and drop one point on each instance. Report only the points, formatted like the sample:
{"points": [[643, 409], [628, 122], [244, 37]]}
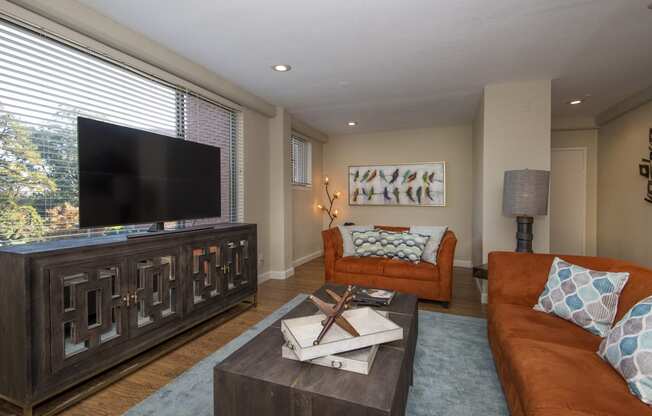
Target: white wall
{"points": [[450, 144], [585, 138], [624, 218]]}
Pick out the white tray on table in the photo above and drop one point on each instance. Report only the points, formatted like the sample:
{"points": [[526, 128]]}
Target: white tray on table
{"points": [[358, 361], [373, 327]]}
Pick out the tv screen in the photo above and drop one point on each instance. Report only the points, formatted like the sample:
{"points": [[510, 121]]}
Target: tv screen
{"points": [[131, 176]]}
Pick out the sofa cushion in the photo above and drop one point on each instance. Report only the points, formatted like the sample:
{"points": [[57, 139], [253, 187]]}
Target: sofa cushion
{"points": [[518, 321], [628, 348], [347, 242], [553, 379], [403, 246], [406, 270], [435, 234], [367, 243], [360, 265], [585, 297]]}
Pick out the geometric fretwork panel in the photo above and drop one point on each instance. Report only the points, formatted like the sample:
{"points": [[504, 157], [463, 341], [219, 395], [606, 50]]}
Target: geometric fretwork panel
{"points": [[86, 309], [237, 260], [156, 289], [206, 273]]}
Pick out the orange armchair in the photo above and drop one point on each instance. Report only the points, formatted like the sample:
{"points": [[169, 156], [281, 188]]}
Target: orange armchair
{"points": [[426, 280]]}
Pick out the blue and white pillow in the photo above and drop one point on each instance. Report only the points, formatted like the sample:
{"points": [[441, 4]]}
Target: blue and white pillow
{"points": [[587, 298], [628, 348]]}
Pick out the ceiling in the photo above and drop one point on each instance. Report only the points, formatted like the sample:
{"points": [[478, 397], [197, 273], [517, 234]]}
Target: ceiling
{"points": [[405, 64]]}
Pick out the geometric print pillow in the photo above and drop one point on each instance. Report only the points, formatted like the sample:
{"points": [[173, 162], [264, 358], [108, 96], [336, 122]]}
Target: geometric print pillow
{"points": [[367, 243], [377, 243], [585, 297], [403, 246], [628, 348]]}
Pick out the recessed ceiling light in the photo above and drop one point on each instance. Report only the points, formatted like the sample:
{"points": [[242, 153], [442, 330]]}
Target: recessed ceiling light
{"points": [[352, 123], [281, 68], [575, 102]]}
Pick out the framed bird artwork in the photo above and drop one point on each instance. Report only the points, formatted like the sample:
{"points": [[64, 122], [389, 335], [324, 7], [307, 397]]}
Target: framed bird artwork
{"points": [[414, 184]]}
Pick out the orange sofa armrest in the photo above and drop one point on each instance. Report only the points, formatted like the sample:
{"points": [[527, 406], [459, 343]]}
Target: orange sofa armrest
{"points": [[333, 249], [517, 278], [445, 260]]}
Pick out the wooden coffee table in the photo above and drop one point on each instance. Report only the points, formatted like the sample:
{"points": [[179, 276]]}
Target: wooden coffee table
{"points": [[257, 381]]}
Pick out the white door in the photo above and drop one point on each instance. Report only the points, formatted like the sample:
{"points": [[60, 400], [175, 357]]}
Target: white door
{"points": [[568, 201]]}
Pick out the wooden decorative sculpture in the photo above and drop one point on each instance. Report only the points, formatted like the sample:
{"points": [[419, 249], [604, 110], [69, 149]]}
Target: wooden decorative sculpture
{"points": [[334, 312]]}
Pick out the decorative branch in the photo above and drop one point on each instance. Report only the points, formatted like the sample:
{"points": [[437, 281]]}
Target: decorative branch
{"points": [[332, 213]]}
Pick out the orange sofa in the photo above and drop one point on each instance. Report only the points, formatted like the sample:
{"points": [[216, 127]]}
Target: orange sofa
{"points": [[426, 280], [548, 366]]}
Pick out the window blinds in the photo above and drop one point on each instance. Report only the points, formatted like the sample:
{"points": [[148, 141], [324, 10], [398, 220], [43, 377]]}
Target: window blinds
{"points": [[44, 86], [301, 159]]}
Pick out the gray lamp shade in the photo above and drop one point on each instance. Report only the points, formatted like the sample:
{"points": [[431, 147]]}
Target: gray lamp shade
{"points": [[525, 193]]}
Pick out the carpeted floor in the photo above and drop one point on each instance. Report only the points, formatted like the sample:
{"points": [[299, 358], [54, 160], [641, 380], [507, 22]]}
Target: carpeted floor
{"points": [[454, 372]]}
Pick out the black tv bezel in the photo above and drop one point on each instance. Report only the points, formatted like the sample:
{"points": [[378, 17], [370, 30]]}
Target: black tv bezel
{"points": [[153, 222]]}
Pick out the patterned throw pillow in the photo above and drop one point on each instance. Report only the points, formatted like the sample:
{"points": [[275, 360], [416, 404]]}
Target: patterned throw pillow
{"points": [[585, 297], [378, 243], [367, 243], [403, 246], [628, 348]]}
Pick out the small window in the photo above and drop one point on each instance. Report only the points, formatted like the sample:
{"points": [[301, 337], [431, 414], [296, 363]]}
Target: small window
{"points": [[301, 159]]}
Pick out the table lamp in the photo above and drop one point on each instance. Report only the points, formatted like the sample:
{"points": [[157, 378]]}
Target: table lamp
{"points": [[525, 196]]}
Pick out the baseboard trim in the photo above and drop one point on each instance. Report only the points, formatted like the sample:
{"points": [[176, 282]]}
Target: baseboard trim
{"points": [[463, 263], [276, 275], [305, 259]]}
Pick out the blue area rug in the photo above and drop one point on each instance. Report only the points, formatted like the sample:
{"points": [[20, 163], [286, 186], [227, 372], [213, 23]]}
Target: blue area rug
{"points": [[454, 372]]}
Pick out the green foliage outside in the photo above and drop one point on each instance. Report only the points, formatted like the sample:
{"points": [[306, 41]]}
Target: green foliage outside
{"points": [[26, 178]]}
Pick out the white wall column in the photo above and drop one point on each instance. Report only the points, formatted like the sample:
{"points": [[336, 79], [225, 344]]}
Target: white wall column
{"points": [[280, 188], [516, 124]]}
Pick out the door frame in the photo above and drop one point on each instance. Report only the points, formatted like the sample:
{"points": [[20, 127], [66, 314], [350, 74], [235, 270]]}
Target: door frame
{"points": [[585, 205]]}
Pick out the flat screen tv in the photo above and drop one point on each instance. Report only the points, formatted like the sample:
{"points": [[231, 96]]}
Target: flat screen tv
{"points": [[131, 176]]}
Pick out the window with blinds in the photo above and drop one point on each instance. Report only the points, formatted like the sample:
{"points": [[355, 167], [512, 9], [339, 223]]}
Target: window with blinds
{"points": [[301, 159], [44, 86]]}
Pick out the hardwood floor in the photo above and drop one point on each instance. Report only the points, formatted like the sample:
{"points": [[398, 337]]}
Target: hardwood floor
{"points": [[127, 392]]}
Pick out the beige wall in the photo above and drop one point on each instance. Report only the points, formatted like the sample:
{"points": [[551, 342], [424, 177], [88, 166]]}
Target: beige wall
{"points": [[450, 144], [588, 139], [624, 218], [476, 220], [255, 131], [307, 219], [516, 135], [279, 178]]}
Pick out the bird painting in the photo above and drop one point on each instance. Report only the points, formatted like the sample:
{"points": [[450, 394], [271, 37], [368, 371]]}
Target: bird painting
{"points": [[406, 175], [409, 194], [428, 194], [419, 184], [386, 195], [394, 176]]}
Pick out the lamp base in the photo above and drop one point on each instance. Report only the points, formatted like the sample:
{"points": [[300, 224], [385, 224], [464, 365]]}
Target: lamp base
{"points": [[524, 235]]}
